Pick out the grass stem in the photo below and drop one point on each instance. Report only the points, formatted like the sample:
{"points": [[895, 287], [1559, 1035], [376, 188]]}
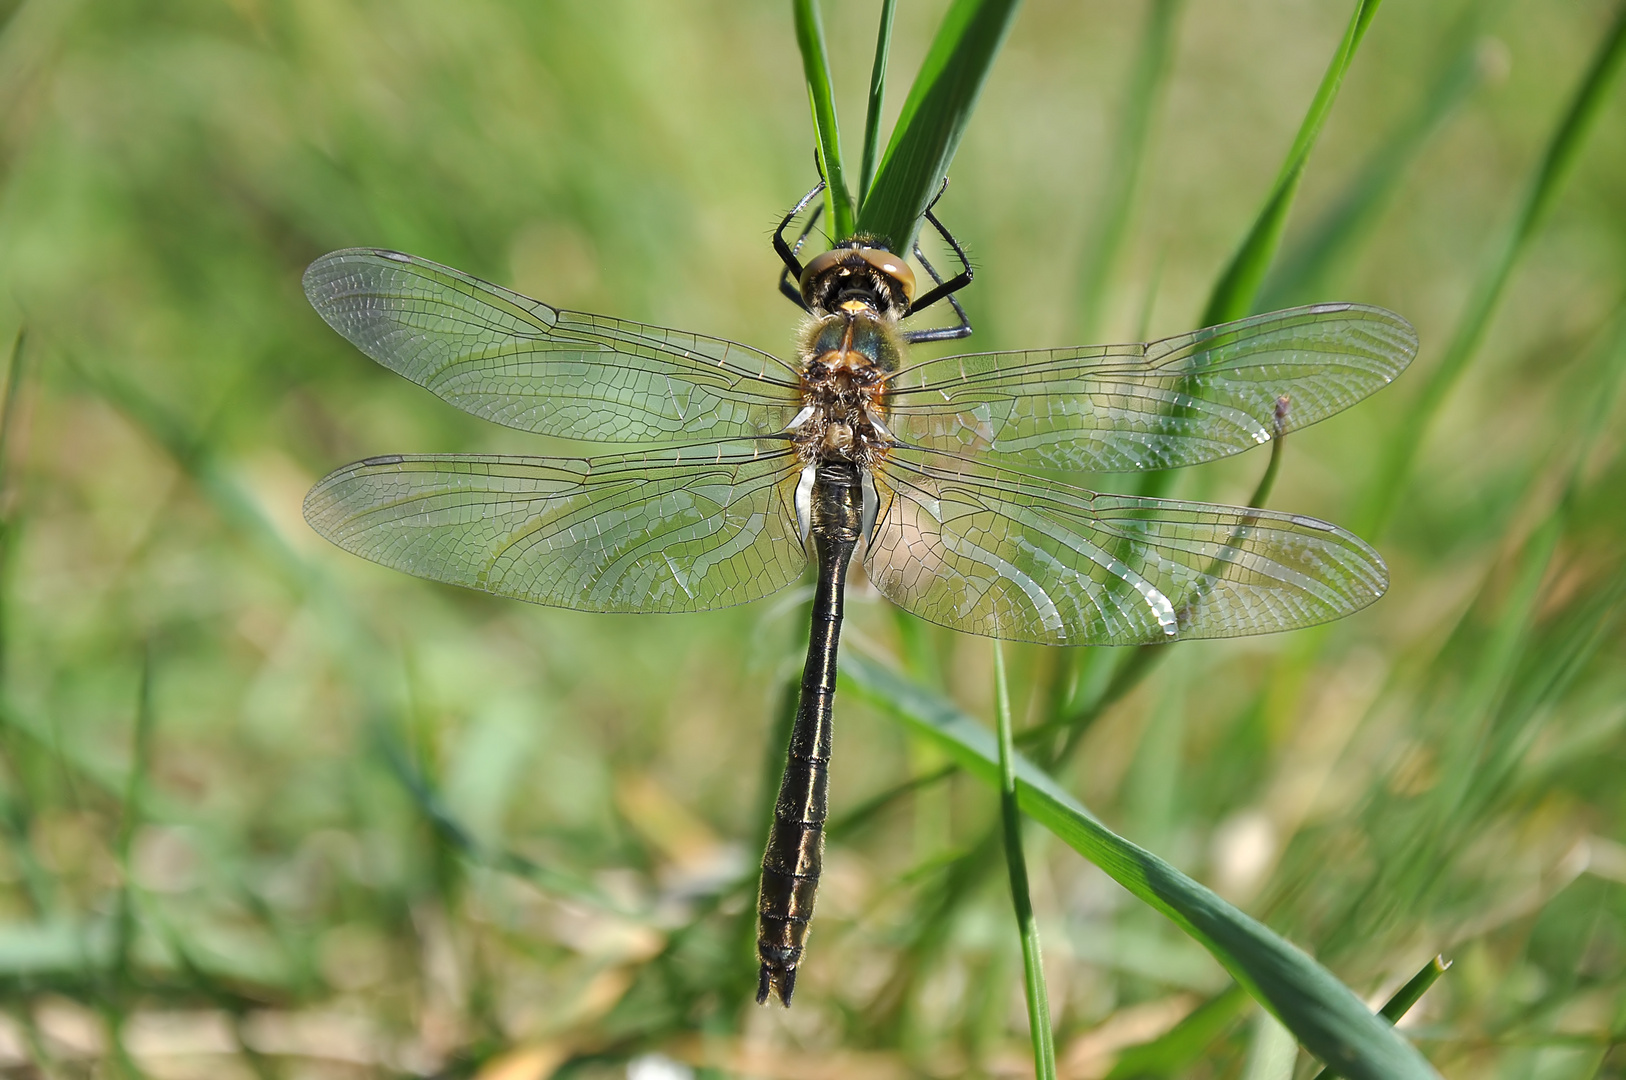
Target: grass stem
{"points": [[1404, 998], [1038, 996], [877, 96], [827, 133], [1563, 150], [1233, 294]]}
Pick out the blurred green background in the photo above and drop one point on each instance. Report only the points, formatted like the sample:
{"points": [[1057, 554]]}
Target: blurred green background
{"points": [[272, 811]]}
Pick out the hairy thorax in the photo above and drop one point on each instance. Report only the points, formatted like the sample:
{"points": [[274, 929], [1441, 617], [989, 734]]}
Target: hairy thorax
{"points": [[847, 356]]}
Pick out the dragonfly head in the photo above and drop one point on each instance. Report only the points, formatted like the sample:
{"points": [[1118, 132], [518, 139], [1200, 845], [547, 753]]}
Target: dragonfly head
{"points": [[857, 272]]}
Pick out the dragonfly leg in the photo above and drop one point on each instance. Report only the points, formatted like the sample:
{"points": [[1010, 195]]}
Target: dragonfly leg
{"points": [[787, 254], [958, 281], [943, 291], [788, 285]]}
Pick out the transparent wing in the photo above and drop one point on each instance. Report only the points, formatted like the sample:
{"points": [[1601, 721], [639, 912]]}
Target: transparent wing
{"points": [[508, 358], [1179, 401], [651, 532], [1007, 557]]}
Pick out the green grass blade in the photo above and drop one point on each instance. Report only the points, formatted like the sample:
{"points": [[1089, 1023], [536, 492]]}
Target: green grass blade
{"points": [[1320, 1011], [844, 826], [1556, 164], [8, 404], [129, 819], [1234, 293], [1305, 270], [1410, 994], [1033, 984], [816, 66], [877, 96], [1271, 1051], [934, 117], [1144, 94], [1171, 1053], [1404, 998], [460, 839]]}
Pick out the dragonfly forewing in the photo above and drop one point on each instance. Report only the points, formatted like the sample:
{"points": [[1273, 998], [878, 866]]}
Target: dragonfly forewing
{"points": [[507, 358], [994, 554], [684, 530], [1169, 403]]}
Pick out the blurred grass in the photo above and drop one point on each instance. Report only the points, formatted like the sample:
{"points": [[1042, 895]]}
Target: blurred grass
{"points": [[393, 829]]}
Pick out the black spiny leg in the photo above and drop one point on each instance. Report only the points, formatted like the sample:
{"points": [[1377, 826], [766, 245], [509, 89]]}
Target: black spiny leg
{"points": [[789, 286], [787, 253], [944, 290]]}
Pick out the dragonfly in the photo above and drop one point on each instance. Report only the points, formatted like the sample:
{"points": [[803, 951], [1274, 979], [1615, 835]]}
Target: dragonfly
{"points": [[718, 472]]}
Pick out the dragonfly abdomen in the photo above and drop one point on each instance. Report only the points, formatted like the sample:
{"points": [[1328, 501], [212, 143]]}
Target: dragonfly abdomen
{"points": [[795, 851]]}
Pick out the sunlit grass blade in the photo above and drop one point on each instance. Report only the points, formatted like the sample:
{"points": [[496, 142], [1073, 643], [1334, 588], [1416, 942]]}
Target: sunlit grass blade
{"points": [[1305, 271], [877, 97], [827, 133], [1486, 733], [1127, 162], [460, 839], [1404, 998], [1320, 1011], [933, 119], [8, 405], [1563, 149], [1033, 984], [121, 971], [1171, 1053], [1234, 293], [1271, 1050], [866, 811]]}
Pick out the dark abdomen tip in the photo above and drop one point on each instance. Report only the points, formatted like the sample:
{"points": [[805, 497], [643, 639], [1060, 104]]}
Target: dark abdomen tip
{"points": [[779, 981]]}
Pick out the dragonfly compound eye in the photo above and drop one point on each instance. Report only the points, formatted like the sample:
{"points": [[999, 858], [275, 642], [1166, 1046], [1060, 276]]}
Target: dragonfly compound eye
{"points": [[873, 275], [892, 267]]}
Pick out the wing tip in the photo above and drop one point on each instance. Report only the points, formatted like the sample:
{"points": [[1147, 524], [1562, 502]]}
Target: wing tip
{"points": [[322, 269]]}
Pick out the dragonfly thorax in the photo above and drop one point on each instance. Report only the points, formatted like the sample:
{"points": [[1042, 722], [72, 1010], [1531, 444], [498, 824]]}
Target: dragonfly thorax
{"points": [[847, 357]]}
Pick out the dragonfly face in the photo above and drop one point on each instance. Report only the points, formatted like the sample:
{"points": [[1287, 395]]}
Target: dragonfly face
{"points": [[855, 272], [719, 470]]}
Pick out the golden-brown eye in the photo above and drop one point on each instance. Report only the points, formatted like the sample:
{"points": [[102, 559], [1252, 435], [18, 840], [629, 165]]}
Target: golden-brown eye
{"points": [[850, 258], [893, 267], [821, 265]]}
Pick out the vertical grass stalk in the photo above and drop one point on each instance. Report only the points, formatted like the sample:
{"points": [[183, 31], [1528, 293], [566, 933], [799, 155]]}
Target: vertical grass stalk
{"points": [[1044, 1046], [1233, 294], [816, 67], [1305, 272], [877, 96], [934, 117], [1556, 164], [124, 922]]}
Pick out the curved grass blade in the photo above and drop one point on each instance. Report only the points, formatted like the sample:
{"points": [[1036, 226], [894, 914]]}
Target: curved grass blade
{"points": [[877, 95], [816, 67], [1033, 984], [1404, 998], [1305, 270], [1400, 450], [933, 119], [1320, 1011], [1235, 291], [1184, 1043]]}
